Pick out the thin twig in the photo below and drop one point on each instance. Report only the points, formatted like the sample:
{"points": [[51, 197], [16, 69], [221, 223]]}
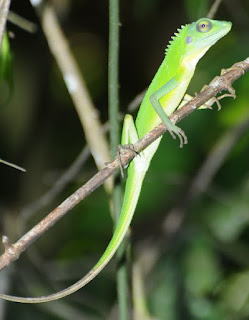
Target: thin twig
{"points": [[214, 9], [13, 251], [113, 110], [113, 99], [7, 163], [21, 22], [135, 103]]}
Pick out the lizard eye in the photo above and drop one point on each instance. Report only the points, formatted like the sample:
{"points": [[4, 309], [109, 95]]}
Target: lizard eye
{"points": [[204, 26]]}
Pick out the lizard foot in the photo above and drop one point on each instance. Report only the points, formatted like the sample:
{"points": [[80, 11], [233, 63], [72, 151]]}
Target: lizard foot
{"points": [[229, 88], [176, 131], [120, 151]]}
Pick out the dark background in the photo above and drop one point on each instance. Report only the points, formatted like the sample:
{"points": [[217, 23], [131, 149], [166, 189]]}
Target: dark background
{"points": [[202, 269]]}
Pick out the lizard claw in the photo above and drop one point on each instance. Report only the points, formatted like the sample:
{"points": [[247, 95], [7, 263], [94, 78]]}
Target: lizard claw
{"points": [[180, 133], [122, 149]]}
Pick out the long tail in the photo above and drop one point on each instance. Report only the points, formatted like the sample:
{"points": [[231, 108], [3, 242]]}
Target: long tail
{"points": [[132, 192], [136, 173]]}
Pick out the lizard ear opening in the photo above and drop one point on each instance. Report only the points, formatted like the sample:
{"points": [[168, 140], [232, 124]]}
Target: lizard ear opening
{"points": [[204, 26], [188, 39]]}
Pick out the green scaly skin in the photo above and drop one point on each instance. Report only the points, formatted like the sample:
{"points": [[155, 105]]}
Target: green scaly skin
{"points": [[164, 95]]}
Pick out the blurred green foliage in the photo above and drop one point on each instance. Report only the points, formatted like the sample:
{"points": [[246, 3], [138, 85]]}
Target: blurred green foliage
{"points": [[202, 271], [6, 72]]}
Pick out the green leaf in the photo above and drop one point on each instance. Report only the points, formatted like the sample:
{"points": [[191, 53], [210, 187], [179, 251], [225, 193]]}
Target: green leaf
{"points": [[228, 220], [6, 71], [235, 295], [201, 268]]}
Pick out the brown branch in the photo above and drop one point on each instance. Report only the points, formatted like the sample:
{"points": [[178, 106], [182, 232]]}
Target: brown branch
{"points": [[13, 251]]}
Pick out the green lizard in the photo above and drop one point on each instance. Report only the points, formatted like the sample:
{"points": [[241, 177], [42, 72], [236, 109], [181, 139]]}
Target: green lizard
{"points": [[162, 98]]}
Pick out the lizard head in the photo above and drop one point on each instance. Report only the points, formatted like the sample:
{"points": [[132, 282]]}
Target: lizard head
{"points": [[202, 34]]}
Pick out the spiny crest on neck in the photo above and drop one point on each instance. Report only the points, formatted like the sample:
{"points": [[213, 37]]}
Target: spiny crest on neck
{"points": [[177, 43]]}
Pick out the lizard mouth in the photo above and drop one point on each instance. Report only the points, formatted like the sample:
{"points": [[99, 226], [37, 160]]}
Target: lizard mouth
{"points": [[214, 35]]}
